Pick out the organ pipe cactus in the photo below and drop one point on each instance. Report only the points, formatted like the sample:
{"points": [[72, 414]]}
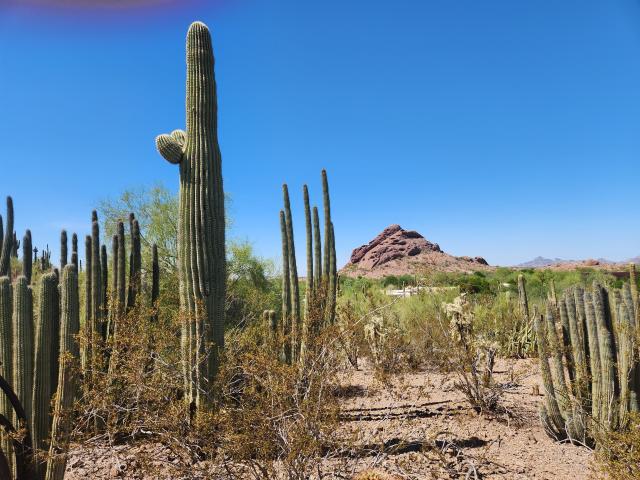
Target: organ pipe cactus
{"points": [[317, 249], [309, 237], [590, 373], [88, 324], [201, 225], [23, 351], [7, 247], [43, 356], [74, 250], [286, 291], [296, 319], [27, 258], [6, 348], [68, 352], [135, 263], [322, 280], [63, 249]]}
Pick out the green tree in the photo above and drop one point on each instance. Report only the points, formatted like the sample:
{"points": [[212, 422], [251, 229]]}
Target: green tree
{"points": [[250, 285]]}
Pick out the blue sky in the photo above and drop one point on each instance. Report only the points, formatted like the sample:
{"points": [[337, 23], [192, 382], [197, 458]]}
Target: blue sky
{"points": [[496, 128]]}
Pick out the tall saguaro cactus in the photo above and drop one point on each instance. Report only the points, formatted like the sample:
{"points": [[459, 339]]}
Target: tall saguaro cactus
{"points": [[201, 225]]}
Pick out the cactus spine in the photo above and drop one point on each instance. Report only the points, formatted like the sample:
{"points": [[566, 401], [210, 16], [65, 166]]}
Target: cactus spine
{"points": [[69, 328], [201, 225]]}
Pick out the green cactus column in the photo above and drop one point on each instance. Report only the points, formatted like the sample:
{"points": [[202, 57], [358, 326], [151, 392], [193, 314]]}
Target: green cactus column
{"points": [[22, 329], [201, 226], [27, 256], [7, 241], [317, 249], [69, 328], [307, 223], [48, 301], [63, 249], [74, 250], [296, 318], [87, 330], [522, 297], [6, 352], [286, 292], [606, 344]]}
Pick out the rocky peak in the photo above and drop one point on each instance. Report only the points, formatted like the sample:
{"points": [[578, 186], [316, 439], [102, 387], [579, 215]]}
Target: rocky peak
{"points": [[394, 242]]}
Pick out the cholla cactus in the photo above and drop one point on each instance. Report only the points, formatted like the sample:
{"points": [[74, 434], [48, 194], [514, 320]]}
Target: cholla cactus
{"points": [[460, 314]]}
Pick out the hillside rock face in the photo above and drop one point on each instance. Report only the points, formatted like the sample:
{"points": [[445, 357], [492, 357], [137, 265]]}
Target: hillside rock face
{"points": [[397, 251], [394, 242]]}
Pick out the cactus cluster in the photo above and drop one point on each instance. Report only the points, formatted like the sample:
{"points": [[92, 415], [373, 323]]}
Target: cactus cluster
{"points": [[298, 323], [39, 338], [591, 376], [201, 224]]}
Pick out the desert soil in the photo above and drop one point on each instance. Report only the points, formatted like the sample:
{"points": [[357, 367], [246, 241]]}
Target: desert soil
{"points": [[413, 426]]}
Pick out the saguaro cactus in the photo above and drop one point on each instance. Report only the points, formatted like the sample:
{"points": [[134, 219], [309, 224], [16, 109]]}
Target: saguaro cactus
{"points": [[201, 225]]}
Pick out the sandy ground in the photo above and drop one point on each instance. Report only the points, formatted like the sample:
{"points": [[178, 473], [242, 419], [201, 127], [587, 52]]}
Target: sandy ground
{"points": [[416, 426]]}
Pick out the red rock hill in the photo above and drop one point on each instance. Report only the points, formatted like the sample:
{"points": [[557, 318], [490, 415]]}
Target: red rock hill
{"points": [[397, 251]]}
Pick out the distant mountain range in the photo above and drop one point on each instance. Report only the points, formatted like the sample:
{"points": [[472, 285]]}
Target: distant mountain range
{"points": [[540, 262]]}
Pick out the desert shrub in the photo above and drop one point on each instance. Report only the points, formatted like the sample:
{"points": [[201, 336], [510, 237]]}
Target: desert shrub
{"points": [[498, 319], [618, 453], [265, 420], [471, 358], [276, 420]]}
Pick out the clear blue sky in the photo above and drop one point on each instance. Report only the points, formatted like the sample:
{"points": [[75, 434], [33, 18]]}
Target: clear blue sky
{"points": [[500, 128]]}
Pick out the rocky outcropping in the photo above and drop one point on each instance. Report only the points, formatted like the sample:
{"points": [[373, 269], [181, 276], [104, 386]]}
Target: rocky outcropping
{"points": [[397, 251], [394, 242]]}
